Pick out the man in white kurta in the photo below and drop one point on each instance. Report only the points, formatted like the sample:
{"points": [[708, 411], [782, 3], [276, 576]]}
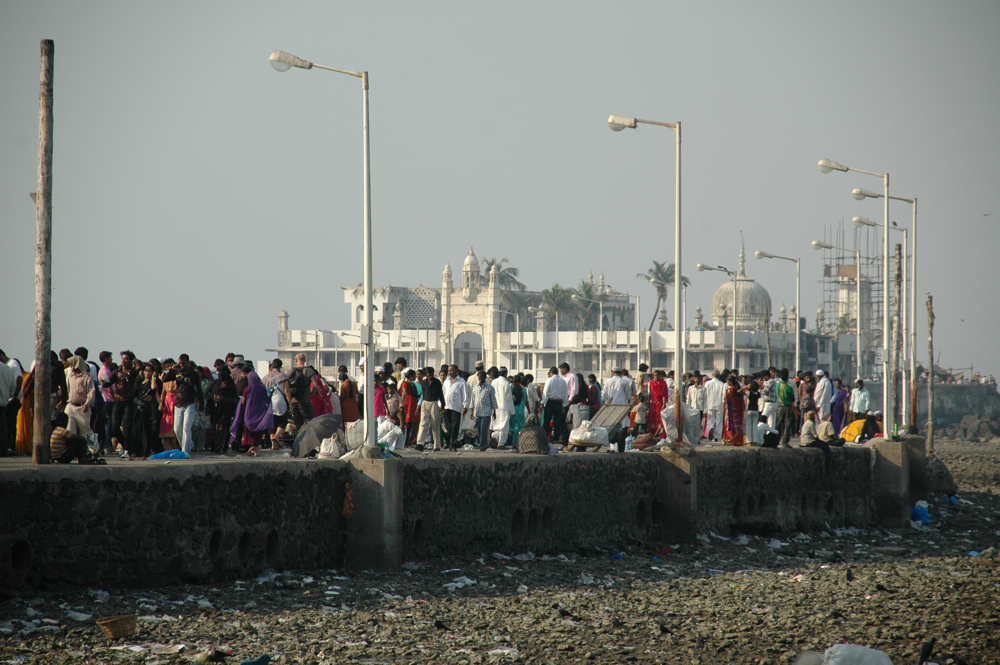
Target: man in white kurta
{"points": [[617, 391], [505, 408], [715, 394], [823, 394]]}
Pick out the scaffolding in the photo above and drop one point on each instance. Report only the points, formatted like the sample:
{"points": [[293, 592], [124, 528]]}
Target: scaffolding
{"points": [[838, 313]]}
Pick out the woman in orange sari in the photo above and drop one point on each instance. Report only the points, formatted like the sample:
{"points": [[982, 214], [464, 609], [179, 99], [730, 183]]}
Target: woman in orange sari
{"points": [[348, 399], [26, 416], [735, 410]]}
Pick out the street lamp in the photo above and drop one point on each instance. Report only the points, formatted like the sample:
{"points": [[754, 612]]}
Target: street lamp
{"points": [[702, 268], [861, 222], [517, 340], [600, 339], [861, 194], [536, 310], [798, 332], [618, 123], [826, 166], [818, 245], [282, 62]]}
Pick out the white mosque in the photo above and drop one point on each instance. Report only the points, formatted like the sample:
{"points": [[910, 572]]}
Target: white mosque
{"points": [[479, 320]]}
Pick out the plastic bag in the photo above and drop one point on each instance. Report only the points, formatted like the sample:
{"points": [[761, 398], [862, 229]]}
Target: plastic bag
{"points": [[853, 654], [333, 446], [355, 434], [919, 513], [692, 423], [589, 433], [170, 454]]}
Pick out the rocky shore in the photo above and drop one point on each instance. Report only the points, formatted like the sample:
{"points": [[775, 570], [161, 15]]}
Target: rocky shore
{"points": [[732, 598]]}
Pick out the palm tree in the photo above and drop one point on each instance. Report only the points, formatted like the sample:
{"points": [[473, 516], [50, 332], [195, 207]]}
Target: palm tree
{"points": [[660, 277], [583, 309], [508, 276], [555, 300]]}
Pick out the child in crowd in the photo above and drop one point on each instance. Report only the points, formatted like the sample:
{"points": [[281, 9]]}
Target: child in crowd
{"points": [[641, 411]]}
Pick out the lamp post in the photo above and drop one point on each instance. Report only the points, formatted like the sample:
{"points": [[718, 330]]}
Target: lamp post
{"points": [[798, 333], [517, 340], [860, 193], [702, 268], [862, 222], [600, 339], [536, 310], [618, 123], [282, 62], [827, 166], [818, 245]]}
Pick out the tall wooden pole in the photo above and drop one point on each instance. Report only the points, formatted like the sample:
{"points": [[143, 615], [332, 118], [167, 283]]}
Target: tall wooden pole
{"points": [[930, 376], [43, 263]]}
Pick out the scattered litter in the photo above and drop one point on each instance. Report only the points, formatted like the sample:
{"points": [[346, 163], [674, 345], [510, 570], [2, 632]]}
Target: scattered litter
{"points": [[618, 557], [205, 604], [919, 513], [267, 576], [458, 583], [522, 589], [501, 557], [741, 540], [702, 536], [411, 565], [973, 553], [776, 544], [509, 653], [167, 648], [79, 616], [99, 595], [527, 556], [586, 579]]}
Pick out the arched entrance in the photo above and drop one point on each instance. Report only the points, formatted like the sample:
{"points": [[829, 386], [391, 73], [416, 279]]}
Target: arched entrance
{"points": [[468, 349]]}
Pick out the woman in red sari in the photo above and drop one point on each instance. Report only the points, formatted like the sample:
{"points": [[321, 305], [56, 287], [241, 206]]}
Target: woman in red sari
{"points": [[735, 409], [658, 395], [319, 395], [348, 399]]}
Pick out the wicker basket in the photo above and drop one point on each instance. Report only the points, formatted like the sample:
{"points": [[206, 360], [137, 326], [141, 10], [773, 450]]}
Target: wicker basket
{"points": [[120, 627]]}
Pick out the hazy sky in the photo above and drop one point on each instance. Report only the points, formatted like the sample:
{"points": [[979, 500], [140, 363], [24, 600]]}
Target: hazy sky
{"points": [[197, 192]]}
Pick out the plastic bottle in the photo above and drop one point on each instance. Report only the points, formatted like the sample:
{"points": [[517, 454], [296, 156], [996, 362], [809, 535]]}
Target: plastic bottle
{"points": [[628, 443]]}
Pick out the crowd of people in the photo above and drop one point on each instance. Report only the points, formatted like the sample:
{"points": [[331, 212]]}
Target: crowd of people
{"points": [[136, 408]]}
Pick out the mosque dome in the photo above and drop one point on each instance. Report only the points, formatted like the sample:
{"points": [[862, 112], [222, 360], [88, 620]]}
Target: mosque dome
{"points": [[753, 302], [471, 262]]}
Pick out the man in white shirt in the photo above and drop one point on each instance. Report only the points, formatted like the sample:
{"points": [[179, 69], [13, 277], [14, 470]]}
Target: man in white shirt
{"points": [[505, 406], [823, 394], [555, 398], [696, 400], [617, 391], [860, 400], [456, 400], [715, 393], [630, 385]]}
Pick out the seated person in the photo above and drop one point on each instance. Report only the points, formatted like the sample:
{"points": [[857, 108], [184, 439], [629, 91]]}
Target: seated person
{"points": [[828, 435], [767, 434], [532, 439], [64, 446], [809, 439]]}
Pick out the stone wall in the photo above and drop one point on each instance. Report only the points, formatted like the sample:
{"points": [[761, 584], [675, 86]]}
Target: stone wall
{"points": [[151, 524], [532, 502], [751, 490], [154, 524]]}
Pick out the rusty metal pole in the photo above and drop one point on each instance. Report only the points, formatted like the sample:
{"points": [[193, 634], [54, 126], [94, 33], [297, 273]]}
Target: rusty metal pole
{"points": [[43, 263], [930, 376]]}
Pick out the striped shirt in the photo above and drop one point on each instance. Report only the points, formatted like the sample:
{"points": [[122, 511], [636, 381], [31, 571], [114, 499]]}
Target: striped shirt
{"points": [[57, 442], [484, 400]]}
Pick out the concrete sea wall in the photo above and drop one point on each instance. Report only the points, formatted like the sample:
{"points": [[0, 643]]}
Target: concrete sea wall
{"points": [[144, 524]]}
